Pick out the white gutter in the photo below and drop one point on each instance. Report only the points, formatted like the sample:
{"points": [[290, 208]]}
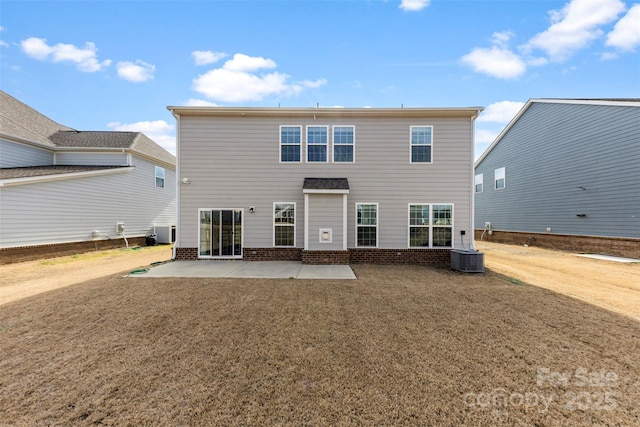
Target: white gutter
{"points": [[62, 176]]}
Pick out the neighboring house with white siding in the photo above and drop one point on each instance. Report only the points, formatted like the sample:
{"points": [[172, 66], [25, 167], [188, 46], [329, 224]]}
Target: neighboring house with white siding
{"points": [[63, 190], [324, 185], [565, 174]]}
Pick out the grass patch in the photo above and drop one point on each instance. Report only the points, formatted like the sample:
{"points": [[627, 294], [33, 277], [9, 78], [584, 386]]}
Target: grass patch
{"points": [[517, 281]]}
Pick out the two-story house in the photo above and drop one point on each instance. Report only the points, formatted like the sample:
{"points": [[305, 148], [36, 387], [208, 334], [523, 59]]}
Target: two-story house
{"points": [[324, 185], [564, 174]]}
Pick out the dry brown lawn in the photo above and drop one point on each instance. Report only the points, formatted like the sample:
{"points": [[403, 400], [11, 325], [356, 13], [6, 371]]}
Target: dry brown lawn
{"points": [[402, 345]]}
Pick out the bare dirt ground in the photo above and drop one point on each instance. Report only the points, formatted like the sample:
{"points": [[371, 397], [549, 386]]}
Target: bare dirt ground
{"points": [[29, 278], [402, 345], [607, 284]]}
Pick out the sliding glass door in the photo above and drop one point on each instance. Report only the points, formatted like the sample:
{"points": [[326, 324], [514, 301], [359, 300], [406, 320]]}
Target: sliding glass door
{"points": [[220, 233]]}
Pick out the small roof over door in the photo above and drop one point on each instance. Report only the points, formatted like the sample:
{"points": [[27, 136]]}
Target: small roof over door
{"points": [[326, 185]]}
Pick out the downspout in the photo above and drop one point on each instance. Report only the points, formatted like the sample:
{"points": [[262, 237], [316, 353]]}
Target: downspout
{"points": [[472, 231], [177, 184]]}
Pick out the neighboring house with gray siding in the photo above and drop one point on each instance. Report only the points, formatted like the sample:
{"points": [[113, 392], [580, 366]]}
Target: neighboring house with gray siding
{"points": [[324, 185], [64, 190], [565, 174]]}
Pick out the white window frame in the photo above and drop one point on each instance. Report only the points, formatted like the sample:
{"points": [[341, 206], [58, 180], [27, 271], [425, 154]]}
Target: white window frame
{"points": [[376, 226], [295, 213], [309, 144], [299, 144], [163, 177], [353, 143], [478, 180], [411, 144], [430, 226], [500, 174]]}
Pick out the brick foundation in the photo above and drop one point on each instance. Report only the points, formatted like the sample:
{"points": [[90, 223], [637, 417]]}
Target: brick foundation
{"points": [[271, 254], [325, 257], [629, 248], [351, 256], [400, 256], [186, 254], [35, 252]]}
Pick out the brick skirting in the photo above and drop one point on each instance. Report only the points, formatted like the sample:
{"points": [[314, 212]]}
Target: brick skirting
{"points": [[53, 250], [400, 256], [271, 254], [325, 257], [615, 246], [350, 256]]}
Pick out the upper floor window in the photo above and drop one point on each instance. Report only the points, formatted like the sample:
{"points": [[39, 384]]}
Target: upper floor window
{"points": [[290, 143], [159, 177], [479, 182], [343, 144], [316, 143], [500, 178], [421, 142], [366, 224]]}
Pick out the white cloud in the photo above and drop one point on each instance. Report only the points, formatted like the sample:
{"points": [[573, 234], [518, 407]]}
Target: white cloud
{"points": [[136, 72], [199, 103], [4, 43], [496, 61], [246, 63], [575, 26], [204, 57], [161, 132], [485, 136], [239, 80], [84, 58], [626, 33], [414, 5], [500, 112]]}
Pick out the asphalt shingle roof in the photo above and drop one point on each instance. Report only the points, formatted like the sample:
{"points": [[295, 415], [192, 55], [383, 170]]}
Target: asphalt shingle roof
{"points": [[18, 119], [325, 184]]}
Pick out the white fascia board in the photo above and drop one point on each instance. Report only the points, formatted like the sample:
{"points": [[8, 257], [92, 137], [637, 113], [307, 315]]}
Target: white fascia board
{"points": [[13, 138], [320, 191], [62, 176], [608, 102]]}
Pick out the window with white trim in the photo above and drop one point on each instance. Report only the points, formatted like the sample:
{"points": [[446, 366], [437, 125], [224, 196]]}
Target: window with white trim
{"points": [[421, 144], [479, 183], [284, 224], [160, 177], [343, 144], [500, 178], [430, 226], [366, 225], [290, 143], [317, 139]]}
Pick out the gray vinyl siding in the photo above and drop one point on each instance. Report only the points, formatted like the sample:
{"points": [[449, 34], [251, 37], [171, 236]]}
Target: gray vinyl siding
{"points": [[234, 162], [16, 155], [69, 210], [91, 159], [325, 212], [552, 151]]}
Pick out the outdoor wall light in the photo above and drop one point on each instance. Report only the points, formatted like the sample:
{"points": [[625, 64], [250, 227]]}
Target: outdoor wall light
{"points": [[185, 181], [252, 209]]}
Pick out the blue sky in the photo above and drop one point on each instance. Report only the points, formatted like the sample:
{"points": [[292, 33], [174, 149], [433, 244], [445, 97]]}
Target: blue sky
{"points": [[116, 65]]}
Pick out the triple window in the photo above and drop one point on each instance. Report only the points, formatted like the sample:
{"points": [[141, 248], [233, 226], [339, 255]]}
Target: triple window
{"points": [[430, 225], [318, 144]]}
